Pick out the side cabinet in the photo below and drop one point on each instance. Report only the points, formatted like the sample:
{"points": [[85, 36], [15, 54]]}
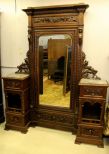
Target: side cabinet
{"points": [[16, 88], [92, 101]]}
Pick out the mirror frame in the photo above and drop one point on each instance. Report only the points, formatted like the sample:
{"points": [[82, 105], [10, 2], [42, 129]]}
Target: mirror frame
{"points": [[63, 19]]}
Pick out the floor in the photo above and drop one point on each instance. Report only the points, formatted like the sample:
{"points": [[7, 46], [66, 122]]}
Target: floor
{"points": [[40, 140], [54, 94]]}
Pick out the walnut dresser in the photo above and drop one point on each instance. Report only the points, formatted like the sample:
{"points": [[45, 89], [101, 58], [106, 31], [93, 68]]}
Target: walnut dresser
{"points": [[16, 88], [92, 102]]}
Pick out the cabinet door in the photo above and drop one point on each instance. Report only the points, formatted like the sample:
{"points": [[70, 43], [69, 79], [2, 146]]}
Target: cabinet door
{"points": [[91, 111]]}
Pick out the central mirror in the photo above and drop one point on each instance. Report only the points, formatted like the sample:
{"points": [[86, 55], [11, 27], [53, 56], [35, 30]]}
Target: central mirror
{"points": [[55, 70]]}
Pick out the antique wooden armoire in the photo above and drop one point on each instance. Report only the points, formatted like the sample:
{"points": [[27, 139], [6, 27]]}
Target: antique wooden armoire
{"points": [[55, 20]]}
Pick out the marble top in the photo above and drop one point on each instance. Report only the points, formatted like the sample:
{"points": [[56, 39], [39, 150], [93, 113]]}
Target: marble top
{"points": [[16, 76], [93, 82]]}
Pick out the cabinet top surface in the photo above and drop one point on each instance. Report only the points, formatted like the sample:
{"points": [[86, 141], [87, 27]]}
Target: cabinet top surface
{"points": [[16, 76], [93, 82]]}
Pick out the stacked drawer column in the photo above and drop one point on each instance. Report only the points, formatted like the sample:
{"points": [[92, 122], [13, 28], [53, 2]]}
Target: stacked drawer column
{"points": [[92, 101], [16, 88]]}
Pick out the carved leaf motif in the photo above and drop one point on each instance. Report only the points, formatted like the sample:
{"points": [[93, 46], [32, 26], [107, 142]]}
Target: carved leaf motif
{"points": [[55, 117], [88, 71], [24, 67], [55, 19]]}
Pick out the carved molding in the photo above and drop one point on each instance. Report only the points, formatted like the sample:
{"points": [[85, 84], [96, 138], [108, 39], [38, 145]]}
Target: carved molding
{"points": [[52, 19], [55, 117], [88, 71], [80, 36]]}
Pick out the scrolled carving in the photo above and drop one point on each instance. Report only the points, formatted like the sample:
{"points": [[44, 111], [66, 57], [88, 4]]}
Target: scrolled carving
{"points": [[24, 67], [88, 71]]}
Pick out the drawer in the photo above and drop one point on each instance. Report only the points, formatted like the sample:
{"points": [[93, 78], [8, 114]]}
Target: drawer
{"points": [[15, 119], [12, 84], [16, 84], [93, 91], [90, 131]]}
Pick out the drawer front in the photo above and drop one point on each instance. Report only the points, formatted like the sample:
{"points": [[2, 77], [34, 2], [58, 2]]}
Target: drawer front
{"points": [[12, 84], [92, 91], [18, 120], [90, 131]]}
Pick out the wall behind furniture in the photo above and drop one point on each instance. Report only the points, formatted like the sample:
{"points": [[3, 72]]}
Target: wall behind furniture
{"points": [[14, 32]]}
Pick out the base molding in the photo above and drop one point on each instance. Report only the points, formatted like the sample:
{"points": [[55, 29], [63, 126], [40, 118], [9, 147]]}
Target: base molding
{"points": [[97, 142], [23, 129]]}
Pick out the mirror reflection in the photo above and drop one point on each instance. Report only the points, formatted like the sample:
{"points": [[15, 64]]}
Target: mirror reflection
{"points": [[54, 70]]}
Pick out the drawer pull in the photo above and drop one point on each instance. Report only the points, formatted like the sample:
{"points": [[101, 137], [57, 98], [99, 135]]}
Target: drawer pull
{"points": [[15, 119], [93, 94], [91, 131]]}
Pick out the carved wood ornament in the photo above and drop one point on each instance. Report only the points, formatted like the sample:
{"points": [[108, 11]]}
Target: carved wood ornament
{"points": [[64, 19]]}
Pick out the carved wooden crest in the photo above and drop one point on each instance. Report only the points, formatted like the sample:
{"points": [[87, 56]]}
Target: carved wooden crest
{"points": [[24, 67], [88, 71]]}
